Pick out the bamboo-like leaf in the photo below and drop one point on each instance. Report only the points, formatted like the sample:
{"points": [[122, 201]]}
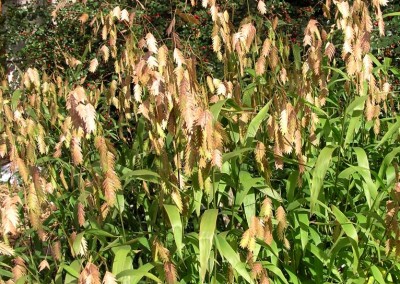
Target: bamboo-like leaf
{"points": [[176, 223], [231, 255], [387, 161], [275, 269], [370, 188], [15, 99], [304, 224], [73, 270], [391, 131], [297, 56], [347, 226], [236, 153], [80, 245], [122, 261], [355, 109], [135, 275], [319, 172], [206, 236], [249, 204], [394, 14], [215, 109], [146, 175], [257, 120], [377, 274]]}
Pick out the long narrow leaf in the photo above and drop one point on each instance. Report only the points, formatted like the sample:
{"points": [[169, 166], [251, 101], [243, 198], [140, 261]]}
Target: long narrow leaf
{"points": [[232, 257], [347, 226], [257, 120], [176, 223], [206, 236], [319, 172], [392, 130]]}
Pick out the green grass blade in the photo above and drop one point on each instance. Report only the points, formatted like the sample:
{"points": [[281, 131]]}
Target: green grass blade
{"points": [[394, 14], [216, 109], [232, 257], [320, 169], [176, 223], [387, 161], [347, 226], [275, 269], [377, 275], [355, 121], [370, 188], [136, 275], [122, 261], [304, 224], [146, 175], [236, 153], [257, 120], [15, 99], [392, 130], [206, 236]]}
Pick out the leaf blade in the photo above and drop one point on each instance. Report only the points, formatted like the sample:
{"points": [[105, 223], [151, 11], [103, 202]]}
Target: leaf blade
{"points": [[206, 236]]}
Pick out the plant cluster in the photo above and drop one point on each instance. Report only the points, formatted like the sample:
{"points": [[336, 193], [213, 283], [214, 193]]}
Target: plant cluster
{"points": [[132, 163]]}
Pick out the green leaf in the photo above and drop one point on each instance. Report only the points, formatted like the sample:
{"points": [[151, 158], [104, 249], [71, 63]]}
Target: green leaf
{"points": [[320, 169], [257, 120], [5, 273], [370, 188], [73, 270], [304, 224], [377, 274], [122, 261], [388, 160], [146, 175], [135, 275], [249, 204], [233, 258], [392, 130], [297, 56], [344, 75], [319, 253], [99, 232], [345, 223], [275, 269], [15, 99], [77, 242], [251, 72], [356, 110], [247, 181], [234, 154], [206, 236], [216, 109], [356, 104], [176, 223], [394, 14]]}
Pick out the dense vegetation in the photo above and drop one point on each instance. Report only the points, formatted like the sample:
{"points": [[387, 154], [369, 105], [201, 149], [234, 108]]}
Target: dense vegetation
{"points": [[201, 142]]}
